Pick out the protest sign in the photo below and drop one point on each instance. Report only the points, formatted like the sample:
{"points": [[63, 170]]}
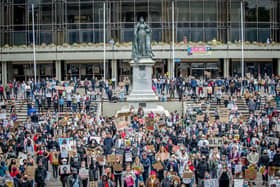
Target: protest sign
{"points": [[187, 175], [117, 167], [30, 172], [84, 173], [274, 183], [149, 123], [215, 142], [211, 183], [200, 117], [64, 169], [238, 182], [121, 124], [157, 166], [251, 173]]}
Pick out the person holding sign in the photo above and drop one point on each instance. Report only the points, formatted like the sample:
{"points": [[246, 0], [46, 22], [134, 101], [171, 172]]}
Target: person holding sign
{"points": [[224, 176]]}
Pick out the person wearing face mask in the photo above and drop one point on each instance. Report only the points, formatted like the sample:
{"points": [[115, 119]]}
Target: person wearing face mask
{"points": [[75, 162], [25, 182], [84, 174], [276, 158], [224, 176], [147, 165], [253, 158], [93, 171], [160, 170], [264, 163], [153, 181], [40, 175], [64, 172], [74, 180], [201, 168]]}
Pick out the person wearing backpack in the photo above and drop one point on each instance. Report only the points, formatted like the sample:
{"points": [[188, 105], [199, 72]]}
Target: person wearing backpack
{"points": [[40, 175]]}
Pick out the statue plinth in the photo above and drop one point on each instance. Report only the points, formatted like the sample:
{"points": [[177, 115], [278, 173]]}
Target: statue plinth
{"points": [[142, 81]]}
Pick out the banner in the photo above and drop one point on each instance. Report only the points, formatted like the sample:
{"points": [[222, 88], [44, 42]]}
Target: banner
{"points": [[199, 50]]}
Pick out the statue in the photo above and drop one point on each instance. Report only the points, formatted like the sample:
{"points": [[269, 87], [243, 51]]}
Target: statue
{"points": [[141, 45]]}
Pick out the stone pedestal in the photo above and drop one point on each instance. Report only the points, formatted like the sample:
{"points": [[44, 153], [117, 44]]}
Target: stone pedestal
{"points": [[142, 93], [142, 81]]}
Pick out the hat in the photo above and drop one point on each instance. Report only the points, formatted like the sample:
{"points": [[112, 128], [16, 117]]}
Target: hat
{"points": [[153, 173]]}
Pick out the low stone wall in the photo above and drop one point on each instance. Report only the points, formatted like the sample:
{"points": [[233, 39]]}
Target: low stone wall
{"points": [[110, 109]]}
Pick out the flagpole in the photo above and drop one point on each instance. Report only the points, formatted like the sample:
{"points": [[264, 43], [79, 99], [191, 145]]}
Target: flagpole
{"points": [[242, 39], [34, 47], [173, 40], [104, 40]]}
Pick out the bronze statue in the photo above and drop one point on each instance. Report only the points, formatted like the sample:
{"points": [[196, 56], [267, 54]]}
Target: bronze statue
{"points": [[141, 45]]}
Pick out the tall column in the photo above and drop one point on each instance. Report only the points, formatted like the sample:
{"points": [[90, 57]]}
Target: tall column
{"points": [[4, 73], [58, 70], [114, 70], [278, 66], [226, 67], [170, 68]]}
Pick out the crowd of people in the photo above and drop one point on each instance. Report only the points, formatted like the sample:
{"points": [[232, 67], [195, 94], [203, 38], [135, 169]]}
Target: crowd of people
{"points": [[64, 138]]}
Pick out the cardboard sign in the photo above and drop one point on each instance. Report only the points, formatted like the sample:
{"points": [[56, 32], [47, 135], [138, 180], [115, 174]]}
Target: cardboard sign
{"points": [[200, 117], [251, 173], [54, 157], [187, 175], [100, 159], [121, 124], [224, 119], [215, 142], [30, 172], [117, 167], [157, 166], [149, 123]]}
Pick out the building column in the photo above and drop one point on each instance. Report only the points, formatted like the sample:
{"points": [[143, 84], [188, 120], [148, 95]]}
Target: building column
{"points": [[170, 68], [226, 67], [114, 70], [278, 66], [4, 72], [58, 70]]}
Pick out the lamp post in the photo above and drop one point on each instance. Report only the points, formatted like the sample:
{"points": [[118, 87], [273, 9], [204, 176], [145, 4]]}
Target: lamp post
{"points": [[34, 47], [242, 38], [173, 40]]}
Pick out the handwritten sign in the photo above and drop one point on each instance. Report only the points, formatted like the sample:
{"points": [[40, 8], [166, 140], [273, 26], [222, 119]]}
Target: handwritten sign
{"points": [[215, 142], [238, 182], [211, 183]]}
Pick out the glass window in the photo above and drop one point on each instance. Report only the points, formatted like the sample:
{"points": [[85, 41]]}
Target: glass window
{"points": [[196, 35], [46, 14], [73, 13], [86, 13], [127, 12], [210, 11], [155, 11], [251, 34], [263, 34], [210, 34], [141, 10], [184, 11], [98, 12], [235, 12], [251, 10], [264, 7], [196, 11]]}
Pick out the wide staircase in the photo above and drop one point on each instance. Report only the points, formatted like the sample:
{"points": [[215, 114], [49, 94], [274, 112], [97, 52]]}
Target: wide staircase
{"points": [[241, 104]]}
